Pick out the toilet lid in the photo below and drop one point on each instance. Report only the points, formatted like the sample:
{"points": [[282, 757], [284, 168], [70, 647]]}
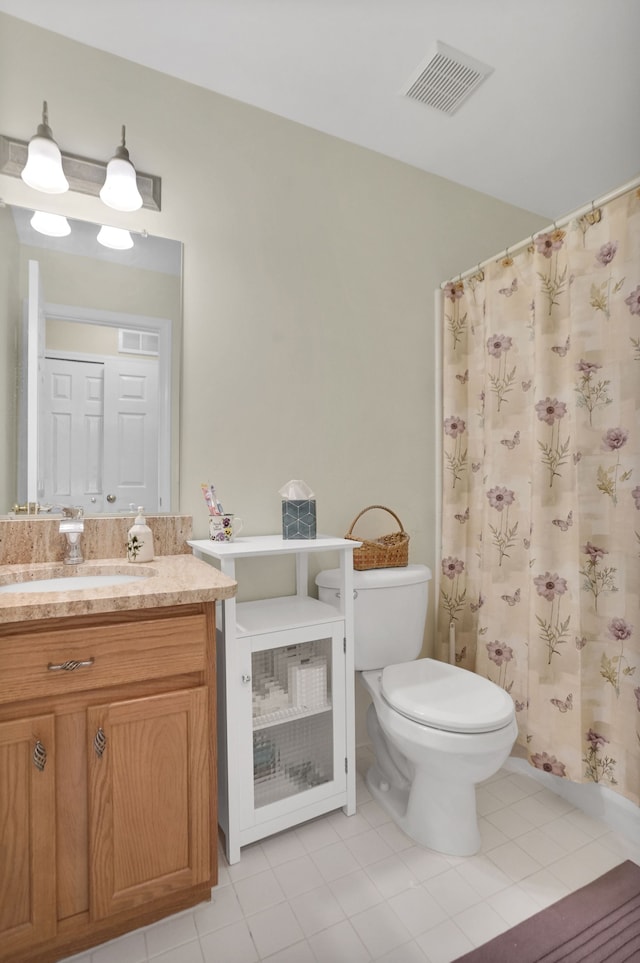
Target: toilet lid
{"points": [[446, 697]]}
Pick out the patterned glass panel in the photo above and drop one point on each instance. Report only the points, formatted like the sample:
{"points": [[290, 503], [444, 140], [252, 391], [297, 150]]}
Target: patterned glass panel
{"points": [[292, 720]]}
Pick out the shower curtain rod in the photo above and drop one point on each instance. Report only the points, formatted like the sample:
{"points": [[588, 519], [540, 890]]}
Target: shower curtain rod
{"points": [[514, 248]]}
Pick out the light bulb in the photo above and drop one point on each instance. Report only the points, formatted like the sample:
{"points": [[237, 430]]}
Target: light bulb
{"points": [[116, 238], [43, 170], [53, 225], [120, 189]]}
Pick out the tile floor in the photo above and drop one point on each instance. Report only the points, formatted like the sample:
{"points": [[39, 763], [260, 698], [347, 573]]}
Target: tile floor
{"points": [[353, 889]]}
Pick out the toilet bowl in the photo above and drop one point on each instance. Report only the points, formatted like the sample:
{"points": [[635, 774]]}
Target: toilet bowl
{"points": [[424, 775], [436, 729]]}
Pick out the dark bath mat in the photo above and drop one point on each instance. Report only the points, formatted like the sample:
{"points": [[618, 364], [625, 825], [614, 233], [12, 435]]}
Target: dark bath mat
{"points": [[599, 923]]}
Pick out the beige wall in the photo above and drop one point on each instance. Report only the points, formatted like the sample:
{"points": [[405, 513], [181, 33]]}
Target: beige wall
{"points": [[83, 338], [85, 282], [310, 266]]}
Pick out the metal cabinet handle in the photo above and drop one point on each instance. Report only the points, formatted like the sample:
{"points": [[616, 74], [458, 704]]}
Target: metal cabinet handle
{"points": [[100, 742], [339, 594], [39, 756], [70, 666]]}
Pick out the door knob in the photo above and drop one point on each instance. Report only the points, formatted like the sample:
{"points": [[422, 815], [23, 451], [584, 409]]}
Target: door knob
{"points": [[111, 499]]}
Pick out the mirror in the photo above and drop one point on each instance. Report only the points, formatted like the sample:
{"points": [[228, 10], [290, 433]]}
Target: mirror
{"points": [[89, 377]]}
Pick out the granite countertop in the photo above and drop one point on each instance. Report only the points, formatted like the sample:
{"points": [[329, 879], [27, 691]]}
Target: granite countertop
{"points": [[169, 580]]}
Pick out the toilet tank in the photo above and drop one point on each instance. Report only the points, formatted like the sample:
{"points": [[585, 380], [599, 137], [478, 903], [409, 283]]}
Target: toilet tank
{"points": [[390, 609]]}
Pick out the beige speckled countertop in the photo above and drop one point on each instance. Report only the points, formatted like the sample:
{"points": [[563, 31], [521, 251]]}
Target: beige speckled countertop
{"points": [[169, 580]]}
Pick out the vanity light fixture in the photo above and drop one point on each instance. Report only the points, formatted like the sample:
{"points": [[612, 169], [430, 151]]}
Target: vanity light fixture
{"points": [[43, 170], [83, 175], [120, 189], [116, 238], [53, 225]]}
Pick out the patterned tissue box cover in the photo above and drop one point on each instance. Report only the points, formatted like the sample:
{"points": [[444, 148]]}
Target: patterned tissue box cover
{"points": [[299, 518]]}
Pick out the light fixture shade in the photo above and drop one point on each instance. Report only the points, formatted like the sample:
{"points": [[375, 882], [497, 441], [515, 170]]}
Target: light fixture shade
{"points": [[116, 238], [43, 170], [120, 189], [53, 225]]}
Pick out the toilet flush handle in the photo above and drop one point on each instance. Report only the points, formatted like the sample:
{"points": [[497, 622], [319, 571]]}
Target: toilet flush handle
{"points": [[339, 594]]}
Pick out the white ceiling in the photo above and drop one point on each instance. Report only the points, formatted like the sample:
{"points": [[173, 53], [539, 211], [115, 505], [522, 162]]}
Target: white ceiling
{"points": [[555, 126]]}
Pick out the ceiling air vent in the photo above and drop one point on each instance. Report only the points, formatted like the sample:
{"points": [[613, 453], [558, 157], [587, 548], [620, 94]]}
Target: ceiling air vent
{"points": [[446, 78]]}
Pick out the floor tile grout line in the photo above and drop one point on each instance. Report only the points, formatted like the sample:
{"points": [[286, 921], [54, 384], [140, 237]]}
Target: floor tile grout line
{"points": [[595, 849]]}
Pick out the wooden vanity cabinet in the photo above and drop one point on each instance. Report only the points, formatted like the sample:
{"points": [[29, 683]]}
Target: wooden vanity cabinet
{"points": [[27, 843], [107, 776]]}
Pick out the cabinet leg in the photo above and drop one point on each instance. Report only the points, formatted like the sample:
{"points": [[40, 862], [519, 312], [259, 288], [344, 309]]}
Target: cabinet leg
{"points": [[232, 853]]}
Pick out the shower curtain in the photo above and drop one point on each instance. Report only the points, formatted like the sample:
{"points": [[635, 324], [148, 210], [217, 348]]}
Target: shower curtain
{"points": [[540, 576]]}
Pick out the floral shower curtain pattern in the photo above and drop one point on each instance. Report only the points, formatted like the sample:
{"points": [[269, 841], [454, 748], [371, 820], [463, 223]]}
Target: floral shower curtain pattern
{"points": [[541, 490]]}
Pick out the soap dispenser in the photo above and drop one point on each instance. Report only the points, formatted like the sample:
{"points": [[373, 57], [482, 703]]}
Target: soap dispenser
{"points": [[140, 540]]}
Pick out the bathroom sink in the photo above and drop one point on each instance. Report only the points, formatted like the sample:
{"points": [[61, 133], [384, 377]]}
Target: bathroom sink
{"points": [[70, 583]]}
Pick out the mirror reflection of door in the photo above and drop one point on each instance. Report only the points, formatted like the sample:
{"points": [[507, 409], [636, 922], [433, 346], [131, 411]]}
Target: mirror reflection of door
{"points": [[95, 414], [137, 290], [99, 443]]}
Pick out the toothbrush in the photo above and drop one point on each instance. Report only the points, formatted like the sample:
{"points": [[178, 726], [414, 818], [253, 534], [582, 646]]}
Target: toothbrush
{"points": [[207, 497], [215, 500]]}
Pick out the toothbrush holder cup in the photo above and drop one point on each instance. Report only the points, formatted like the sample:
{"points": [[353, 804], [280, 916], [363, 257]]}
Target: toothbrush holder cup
{"points": [[224, 528]]}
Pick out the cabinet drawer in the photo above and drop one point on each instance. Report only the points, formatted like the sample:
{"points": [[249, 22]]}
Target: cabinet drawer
{"points": [[116, 654]]}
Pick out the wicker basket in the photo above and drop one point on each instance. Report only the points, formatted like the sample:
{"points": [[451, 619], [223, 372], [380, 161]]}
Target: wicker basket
{"points": [[388, 551]]}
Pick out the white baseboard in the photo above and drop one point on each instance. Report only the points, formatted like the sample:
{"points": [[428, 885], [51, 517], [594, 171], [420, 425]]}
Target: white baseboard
{"points": [[596, 800]]}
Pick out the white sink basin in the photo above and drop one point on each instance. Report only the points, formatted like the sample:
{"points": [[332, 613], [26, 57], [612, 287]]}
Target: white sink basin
{"points": [[70, 583]]}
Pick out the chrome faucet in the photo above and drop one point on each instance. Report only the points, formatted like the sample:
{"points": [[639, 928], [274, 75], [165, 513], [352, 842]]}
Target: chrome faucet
{"points": [[72, 526]]}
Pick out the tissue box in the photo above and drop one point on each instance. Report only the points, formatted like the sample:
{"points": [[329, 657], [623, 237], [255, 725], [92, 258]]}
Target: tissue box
{"points": [[308, 684], [299, 518]]}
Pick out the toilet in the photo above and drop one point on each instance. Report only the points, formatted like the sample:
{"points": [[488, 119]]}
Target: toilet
{"points": [[436, 729]]}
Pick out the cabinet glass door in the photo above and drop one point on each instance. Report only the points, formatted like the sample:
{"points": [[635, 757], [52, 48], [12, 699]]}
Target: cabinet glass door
{"points": [[293, 720]]}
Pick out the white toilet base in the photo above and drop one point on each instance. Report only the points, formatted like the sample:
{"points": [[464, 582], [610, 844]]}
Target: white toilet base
{"points": [[440, 817], [425, 778]]}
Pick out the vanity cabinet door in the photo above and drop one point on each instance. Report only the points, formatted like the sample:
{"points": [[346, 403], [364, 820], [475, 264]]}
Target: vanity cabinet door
{"points": [[149, 817], [293, 726], [27, 833]]}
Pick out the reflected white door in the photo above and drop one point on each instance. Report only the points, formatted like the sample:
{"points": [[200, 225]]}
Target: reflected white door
{"points": [[72, 435], [99, 445], [130, 434]]}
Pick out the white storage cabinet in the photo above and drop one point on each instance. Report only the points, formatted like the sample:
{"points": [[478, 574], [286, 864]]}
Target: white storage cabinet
{"points": [[286, 731]]}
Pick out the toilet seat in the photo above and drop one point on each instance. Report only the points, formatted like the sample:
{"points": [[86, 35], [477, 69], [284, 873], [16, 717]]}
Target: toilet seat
{"points": [[447, 697]]}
